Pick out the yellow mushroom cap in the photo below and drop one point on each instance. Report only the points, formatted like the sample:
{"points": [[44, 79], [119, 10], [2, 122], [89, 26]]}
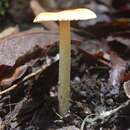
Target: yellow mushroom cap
{"points": [[66, 15]]}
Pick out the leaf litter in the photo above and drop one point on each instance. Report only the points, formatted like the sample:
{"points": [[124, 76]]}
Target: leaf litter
{"points": [[99, 78]]}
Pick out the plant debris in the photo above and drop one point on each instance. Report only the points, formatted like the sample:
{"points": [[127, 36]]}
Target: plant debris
{"points": [[100, 68]]}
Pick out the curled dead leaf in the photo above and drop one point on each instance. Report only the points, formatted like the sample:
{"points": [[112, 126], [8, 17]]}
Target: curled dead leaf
{"points": [[18, 73]]}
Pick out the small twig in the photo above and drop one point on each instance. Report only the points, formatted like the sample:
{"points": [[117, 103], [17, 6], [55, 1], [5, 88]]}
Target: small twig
{"points": [[25, 79], [60, 116], [102, 117]]}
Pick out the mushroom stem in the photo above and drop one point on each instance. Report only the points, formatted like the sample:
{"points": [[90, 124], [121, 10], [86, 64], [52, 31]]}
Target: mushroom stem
{"points": [[64, 67]]}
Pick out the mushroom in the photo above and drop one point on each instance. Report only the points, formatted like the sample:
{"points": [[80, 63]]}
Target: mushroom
{"points": [[64, 18]]}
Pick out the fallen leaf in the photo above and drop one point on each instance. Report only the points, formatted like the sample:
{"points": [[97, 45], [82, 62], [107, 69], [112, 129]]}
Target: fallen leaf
{"points": [[18, 73], [15, 46]]}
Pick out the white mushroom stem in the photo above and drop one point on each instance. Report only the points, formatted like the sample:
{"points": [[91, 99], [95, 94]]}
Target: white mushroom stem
{"points": [[64, 67]]}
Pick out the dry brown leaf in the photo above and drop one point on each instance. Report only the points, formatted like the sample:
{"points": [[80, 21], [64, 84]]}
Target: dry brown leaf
{"points": [[18, 73]]}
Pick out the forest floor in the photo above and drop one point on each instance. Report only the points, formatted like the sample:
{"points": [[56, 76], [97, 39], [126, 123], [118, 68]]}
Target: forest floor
{"points": [[100, 73]]}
